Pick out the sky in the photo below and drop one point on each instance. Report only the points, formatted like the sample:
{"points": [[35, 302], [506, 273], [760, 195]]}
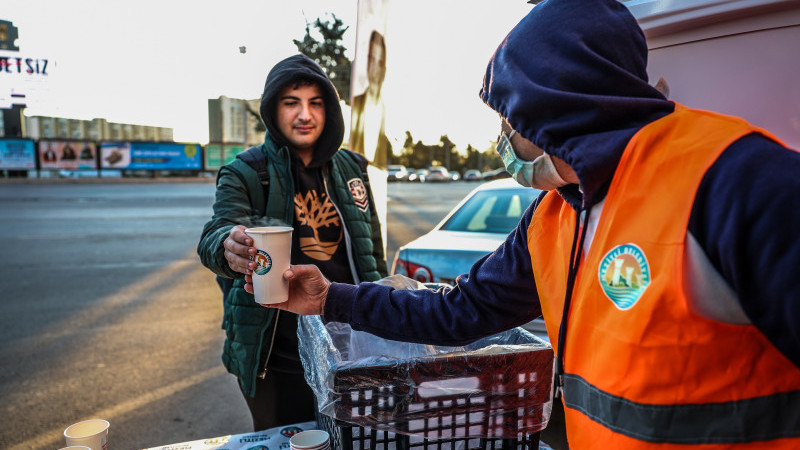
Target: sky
{"points": [[158, 62]]}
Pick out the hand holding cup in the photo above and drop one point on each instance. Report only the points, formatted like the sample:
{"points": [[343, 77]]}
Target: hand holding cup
{"points": [[239, 250]]}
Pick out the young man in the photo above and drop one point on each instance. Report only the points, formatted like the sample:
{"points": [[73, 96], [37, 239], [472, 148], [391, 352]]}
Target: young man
{"points": [[663, 258], [319, 190]]}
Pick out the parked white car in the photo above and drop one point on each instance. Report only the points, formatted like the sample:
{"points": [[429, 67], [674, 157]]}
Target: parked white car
{"points": [[474, 228]]}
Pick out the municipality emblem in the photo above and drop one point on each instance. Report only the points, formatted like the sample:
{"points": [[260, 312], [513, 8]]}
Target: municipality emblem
{"points": [[263, 262], [624, 275], [359, 193]]}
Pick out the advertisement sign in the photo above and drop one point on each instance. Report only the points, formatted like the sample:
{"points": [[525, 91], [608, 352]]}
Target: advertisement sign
{"points": [[22, 74], [150, 156], [68, 155], [213, 157], [17, 154], [230, 152], [368, 136]]}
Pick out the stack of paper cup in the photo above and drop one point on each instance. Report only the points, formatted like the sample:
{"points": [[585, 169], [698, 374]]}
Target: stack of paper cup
{"points": [[310, 440]]}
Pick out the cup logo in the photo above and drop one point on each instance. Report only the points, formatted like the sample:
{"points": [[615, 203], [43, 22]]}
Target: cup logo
{"points": [[263, 262]]}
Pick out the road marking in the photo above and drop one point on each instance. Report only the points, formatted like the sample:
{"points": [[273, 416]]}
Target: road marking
{"points": [[53, 437]]}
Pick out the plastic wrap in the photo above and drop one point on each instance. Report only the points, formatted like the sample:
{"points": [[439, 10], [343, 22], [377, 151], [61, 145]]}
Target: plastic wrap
{"points": [[496, 387]]}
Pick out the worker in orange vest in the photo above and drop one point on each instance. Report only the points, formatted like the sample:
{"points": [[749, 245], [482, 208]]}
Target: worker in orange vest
{"points": [[663, 257]]}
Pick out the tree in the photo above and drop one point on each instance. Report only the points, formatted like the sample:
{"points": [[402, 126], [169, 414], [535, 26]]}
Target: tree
{"points": [[447, 149], [329, 52]]}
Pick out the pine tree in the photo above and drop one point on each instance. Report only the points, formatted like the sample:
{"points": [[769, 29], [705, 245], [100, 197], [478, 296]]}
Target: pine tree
{"points": [[329, 52]]}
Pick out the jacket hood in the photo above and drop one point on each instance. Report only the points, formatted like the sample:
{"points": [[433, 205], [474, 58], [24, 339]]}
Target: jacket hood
{"points": [[292, 69], [571, 78]]}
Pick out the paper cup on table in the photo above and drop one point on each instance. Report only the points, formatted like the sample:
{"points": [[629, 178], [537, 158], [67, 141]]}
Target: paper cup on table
{"points": [[310, 440], [91, 433], [273, 253]]}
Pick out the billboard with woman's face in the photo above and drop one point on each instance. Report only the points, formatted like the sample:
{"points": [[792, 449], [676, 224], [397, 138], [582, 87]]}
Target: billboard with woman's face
{"points": [[368, 112]]}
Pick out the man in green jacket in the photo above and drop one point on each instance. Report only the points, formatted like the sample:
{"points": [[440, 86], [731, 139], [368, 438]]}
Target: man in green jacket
{"points": [[319, 190]]}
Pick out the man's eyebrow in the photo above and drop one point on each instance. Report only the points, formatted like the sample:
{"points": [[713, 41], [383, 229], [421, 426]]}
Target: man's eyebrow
{"points": [[292, 97]]}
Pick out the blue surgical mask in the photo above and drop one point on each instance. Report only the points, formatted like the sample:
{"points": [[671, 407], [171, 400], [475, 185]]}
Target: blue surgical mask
{"points": [[520, 170], [539, 173]]}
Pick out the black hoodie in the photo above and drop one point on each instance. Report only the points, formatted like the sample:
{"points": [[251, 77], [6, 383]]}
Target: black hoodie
{"points": [[292, 69]]}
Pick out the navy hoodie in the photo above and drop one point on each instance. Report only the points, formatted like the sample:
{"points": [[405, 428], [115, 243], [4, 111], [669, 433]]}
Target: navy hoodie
{"points": [[571, 77]]}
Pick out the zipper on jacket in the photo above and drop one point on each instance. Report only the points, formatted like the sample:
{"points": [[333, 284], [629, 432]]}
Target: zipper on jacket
{"points": [[347, 243], [578, 238], [263, 373]]}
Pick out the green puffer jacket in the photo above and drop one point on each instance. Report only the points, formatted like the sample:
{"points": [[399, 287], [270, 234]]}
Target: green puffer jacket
{"points": [[240, 201]]}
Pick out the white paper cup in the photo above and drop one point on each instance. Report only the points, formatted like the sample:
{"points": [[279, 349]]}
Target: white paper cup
{"points": [[91, 433], [274, 251], [75, 447], [310, 440]]}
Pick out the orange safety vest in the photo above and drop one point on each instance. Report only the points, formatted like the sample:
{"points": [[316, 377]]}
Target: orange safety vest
{"points": [[640, 369]]}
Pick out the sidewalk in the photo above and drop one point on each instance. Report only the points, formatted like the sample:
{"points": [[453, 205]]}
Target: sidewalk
{"points": [[107, 180]]}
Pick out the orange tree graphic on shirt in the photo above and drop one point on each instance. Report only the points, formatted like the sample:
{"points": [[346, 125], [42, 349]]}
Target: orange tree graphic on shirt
{"points": [[316, 212]]}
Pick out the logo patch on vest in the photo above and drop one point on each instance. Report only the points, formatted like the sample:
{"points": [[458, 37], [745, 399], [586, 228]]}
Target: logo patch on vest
{"points": [[624, 275], [359, 192]]}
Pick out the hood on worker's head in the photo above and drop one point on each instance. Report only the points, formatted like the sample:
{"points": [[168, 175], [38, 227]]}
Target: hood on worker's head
{"points": [[571, 77], [290, 70]]}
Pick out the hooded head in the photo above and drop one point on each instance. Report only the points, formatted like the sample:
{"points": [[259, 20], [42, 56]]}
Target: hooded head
{"points": [[291, 70], [571, 78]]}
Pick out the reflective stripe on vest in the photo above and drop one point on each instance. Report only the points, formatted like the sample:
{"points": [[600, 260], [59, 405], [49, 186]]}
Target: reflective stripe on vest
{"points": [[710, 423], [640, 367]]}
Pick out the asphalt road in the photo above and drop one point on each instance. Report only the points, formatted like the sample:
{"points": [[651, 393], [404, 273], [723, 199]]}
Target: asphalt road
{"points": [[106, 312]]}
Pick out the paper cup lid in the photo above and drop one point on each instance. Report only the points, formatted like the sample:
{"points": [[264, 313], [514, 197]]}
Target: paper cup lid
{"points": [[268, 230], [86, 428]]}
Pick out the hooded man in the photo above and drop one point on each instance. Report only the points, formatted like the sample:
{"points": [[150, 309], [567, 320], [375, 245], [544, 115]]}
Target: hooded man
{"points": [[319, 190], [663, 256]]}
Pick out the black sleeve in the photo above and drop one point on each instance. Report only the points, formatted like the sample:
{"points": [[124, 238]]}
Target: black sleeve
{"points": [[747, 220]]}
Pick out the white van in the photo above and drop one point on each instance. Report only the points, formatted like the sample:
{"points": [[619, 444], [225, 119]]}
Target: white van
{"points": [[737, 57]]}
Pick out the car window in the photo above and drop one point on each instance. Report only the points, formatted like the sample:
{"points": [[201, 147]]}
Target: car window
{"points": [[493, 211]]}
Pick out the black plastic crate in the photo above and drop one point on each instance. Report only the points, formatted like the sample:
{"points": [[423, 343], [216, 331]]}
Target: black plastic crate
{"points": [[494, 393], [346, 436], [506, 397]]}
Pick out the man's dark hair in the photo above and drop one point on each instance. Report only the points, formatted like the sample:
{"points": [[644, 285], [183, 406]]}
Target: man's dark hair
{"points": [[302, 81]]}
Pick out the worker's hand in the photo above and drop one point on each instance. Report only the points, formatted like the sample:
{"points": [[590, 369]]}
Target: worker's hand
{"points": [[308, 289], [239, 250]]}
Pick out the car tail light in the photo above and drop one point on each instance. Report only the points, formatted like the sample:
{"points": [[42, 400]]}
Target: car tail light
{"points": [[414, 271]]}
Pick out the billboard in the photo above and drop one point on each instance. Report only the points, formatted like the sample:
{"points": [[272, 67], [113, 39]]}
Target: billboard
{"points": [[217, 155], [150, 156], [229, 152], [68, 155], [17, 154], [367, 111], [23, 74], [213, 157]]}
